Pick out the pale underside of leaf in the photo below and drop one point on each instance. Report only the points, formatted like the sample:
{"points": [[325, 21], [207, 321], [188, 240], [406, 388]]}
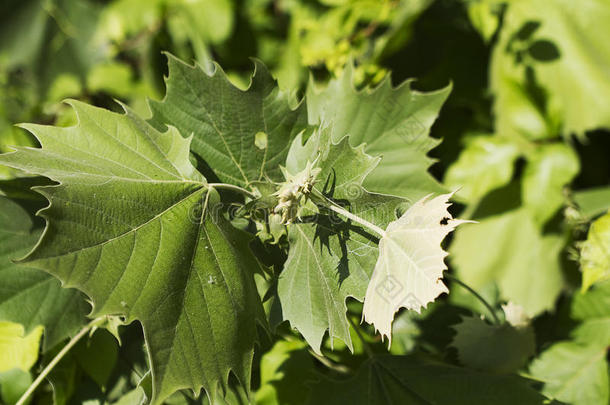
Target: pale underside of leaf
{"points": [[409, 269]]}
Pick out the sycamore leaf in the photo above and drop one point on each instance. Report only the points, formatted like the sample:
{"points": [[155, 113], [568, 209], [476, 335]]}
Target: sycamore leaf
{"points": [[134, 226], [497, 348], [409, 270], [386, 379], [391, 122], [29, 296], [595, 253], [331, 258], [225, 121]]}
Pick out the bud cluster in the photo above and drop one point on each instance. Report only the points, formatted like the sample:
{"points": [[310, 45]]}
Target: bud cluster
{"points": [[294, 192]]}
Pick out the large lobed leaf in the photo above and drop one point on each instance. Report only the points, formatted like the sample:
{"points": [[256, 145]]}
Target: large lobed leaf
{"points": [[134, 226], [391, 122], [224, 120]]}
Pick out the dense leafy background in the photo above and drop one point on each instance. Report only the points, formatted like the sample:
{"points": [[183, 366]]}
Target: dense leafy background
{"points": [[509, 106]]}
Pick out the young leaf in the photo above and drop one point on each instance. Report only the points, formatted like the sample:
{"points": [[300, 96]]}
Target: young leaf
{"points": [[331, 258], [135, 226], [391, 122], [29, 296], [224, 120], [409, 270]]}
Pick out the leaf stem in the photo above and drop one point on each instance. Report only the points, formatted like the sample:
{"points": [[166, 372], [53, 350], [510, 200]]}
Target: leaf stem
{"points": [[232, 187], [477, 295], [94, 323], [356, 218], [333, 206]]}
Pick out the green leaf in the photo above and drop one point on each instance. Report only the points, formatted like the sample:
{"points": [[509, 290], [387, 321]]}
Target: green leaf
{"points": [[391, 122], [29, 296], [509, 250], [593, 308], [13, 384], [594, 201], [398, 380], [18, 350], [485, 164], [484, 16], [331, 258], [595, 253], [548, 70], [574, 373], [496, 348], [284, 369], [224, 120], [409, 270], [134, 226], [98, 356], [549, 168]]}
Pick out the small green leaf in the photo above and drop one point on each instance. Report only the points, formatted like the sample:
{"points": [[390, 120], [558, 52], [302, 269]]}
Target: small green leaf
{"points": [[594, 201], [595, 253], [18, 350], [496, 348], [575, 373]]}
